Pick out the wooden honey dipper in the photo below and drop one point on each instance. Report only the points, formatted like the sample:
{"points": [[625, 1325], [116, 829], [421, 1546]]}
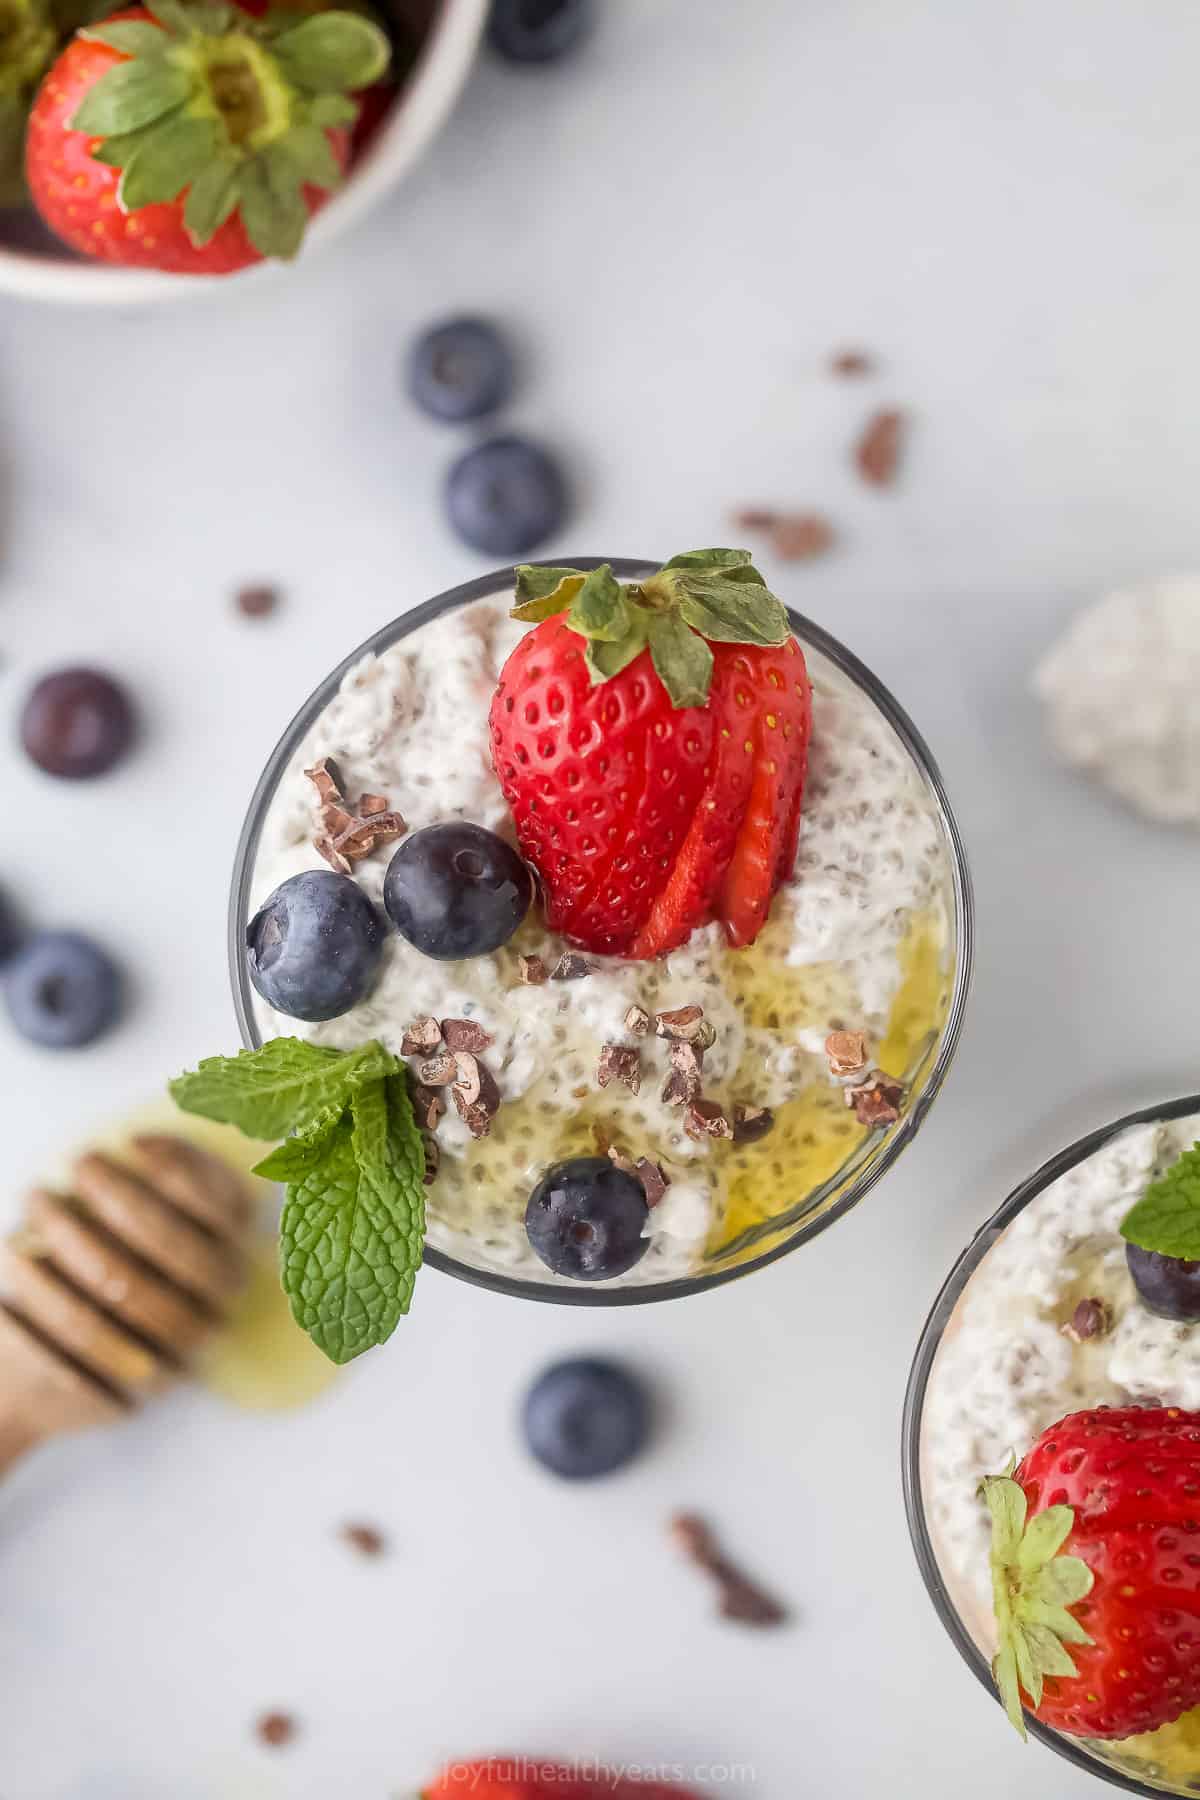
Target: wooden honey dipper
{"points": [[106, 1293]]}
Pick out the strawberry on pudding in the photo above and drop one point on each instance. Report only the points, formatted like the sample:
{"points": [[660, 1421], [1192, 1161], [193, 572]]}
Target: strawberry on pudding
{"points": [[635, 852]]}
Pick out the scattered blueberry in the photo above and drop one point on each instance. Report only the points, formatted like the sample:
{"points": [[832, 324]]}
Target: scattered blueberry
{"points": [[456, 890], [585, 1219], [11, 933], [62, 990], [537, 30], [585, 1417], [77, 722], [505, 497], [313, 947], [1167, 1285], [460, 370]]}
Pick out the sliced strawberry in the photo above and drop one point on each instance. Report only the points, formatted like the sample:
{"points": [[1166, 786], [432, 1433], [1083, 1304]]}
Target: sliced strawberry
{"points": [[765, 851]]}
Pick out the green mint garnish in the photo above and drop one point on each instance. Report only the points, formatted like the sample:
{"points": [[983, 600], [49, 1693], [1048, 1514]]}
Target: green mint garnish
{"points": [[354, 1218], [701, 597], [1032, 1587], [1167, 1217]]}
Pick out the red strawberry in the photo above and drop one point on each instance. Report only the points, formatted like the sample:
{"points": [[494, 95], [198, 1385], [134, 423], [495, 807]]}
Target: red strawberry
{"points": [[532, 1778], [652, 739], [1096, 1566], [197, 138]]}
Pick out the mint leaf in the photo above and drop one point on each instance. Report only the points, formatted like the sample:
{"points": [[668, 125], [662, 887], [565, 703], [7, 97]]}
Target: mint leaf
{"points": [[1167, 1217], [354, 1223], [287, 1085]]}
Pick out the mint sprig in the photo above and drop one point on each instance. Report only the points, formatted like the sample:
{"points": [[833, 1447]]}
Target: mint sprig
{"points": [[354, 1217], [699, 597], [1167, 1217]]}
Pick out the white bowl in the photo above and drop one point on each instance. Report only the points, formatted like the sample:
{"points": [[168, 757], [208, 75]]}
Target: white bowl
{"points": [[421, 108]]}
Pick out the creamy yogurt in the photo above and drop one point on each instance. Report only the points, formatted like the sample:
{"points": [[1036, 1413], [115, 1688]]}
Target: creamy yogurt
{"points": [[1005, 1369], [873, 868]]}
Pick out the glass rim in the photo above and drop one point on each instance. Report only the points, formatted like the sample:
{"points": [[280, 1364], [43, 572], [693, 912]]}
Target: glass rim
{"points": [[485, 587], [1061, 1163]]}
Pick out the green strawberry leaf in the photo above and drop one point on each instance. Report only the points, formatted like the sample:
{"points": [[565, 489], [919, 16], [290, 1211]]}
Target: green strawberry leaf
{"points": [[1167, 1217], [132, 37], [210, 200], [272, 206], [353, 1224], [1032, 1585], [172, 15], [732, 612], [287, 1085], [541, 593], [309, 149], [728, 560], [682, 661], [168, 157], [604, 660], [130, 95], [599, 609], [332, 109], [332, 52]]}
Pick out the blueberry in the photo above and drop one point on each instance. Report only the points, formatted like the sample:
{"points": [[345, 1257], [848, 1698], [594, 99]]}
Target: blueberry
{"points": [[585, 1417], [585, 1219], [313, 947], [62, 990], [11, 933], [77, 722], [460, 370], [456, 890], [537, 30], [1166, 1285], [505, 497]]}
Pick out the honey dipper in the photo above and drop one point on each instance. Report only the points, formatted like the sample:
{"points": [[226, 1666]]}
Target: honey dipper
{"points": [[105, 1292]]}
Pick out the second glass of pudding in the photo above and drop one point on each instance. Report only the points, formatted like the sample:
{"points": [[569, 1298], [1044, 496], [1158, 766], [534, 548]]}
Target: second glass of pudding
{"points": [[1040, 1318], [872, 934]]}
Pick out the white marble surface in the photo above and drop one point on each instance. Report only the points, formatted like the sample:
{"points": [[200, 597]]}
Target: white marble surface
{"points": [[1000, 200]]}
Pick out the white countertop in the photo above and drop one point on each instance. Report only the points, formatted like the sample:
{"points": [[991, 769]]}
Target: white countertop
{"points": [[999, 200]]}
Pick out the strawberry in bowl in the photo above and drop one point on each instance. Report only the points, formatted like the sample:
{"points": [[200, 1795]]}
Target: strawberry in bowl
{"points": [[198, 138], [635, 904]]}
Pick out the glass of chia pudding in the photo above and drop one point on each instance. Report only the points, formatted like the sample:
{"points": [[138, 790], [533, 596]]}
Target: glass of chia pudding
{"points": [[727, 987], [1068, 1336]]}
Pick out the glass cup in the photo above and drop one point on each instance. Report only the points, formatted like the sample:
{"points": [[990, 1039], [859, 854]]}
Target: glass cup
{"points": [[793, 1217], [1131, 1767]]}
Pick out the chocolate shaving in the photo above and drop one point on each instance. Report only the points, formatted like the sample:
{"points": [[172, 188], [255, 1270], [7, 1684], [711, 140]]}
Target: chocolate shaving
{"points": [[570, 967], [685, 1024], [1092, 1318], [475, 1094], [685, 1061], [438, 1070], [532, 970], [751, 1123], [877, 452], [465, 1034], [846, 1053], [276, 1729], [477, 1119], [799, 537], [739, 1597], [619, 1158], [421, 1037], [676, 1089], [348, 835], [705, 1119], [653, 1179], [467, 1076], [620, 1062], [877, 1101], [433, 1158], [365, 1539], [754, 518], [257, 600], [637, 1021], [428, 1106], [852, 363]]}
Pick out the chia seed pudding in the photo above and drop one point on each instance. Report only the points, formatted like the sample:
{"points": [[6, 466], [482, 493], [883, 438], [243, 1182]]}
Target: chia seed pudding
{"points": [[859, 938]]}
